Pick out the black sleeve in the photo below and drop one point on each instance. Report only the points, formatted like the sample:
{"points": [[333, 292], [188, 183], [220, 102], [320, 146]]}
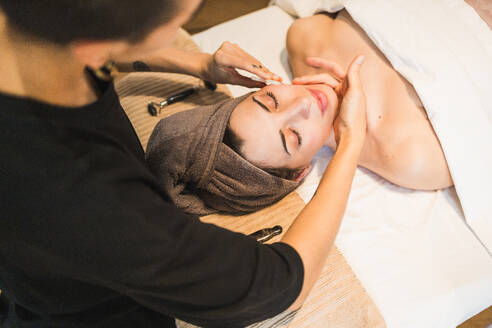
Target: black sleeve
{"points": [[124, 236]]}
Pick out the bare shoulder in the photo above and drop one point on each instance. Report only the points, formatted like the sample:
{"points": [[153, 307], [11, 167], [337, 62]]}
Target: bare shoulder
{"points": [[413, 161], [308, 36]]}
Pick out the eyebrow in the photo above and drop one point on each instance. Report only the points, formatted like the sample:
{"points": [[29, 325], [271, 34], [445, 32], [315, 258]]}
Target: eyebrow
{"points": [[282, 136]]}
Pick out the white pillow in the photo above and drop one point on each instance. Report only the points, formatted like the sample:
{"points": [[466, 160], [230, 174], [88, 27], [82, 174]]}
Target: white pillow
{"points": [[303, 8]]}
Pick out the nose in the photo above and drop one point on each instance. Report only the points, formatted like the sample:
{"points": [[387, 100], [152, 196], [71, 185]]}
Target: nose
{"points": [[299, 108]]}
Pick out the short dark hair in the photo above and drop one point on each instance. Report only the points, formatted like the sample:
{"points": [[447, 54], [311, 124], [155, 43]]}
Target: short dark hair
{"points": [[63, 21], [234, 142]]}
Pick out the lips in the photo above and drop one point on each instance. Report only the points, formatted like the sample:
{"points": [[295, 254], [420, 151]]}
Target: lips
{"points": [[321, 99]]}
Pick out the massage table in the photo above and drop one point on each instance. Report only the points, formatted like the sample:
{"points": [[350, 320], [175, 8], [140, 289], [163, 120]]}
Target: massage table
{"points": [[402, 258]]}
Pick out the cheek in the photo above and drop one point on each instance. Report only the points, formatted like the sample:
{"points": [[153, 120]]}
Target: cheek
{"points": [[312, 147], [316, 133], [160, 39], [313, 139]]}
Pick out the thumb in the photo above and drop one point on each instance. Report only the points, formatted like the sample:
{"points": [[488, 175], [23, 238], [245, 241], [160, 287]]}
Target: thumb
{"points": [[353, 73]]}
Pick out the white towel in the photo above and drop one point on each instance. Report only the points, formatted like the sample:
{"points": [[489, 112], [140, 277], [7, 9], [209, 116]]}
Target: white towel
{"points": [[444, 49]]}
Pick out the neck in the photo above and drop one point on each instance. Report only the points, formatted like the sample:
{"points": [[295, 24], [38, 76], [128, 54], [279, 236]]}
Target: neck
{"points": [[330, 141], [42, 71]]}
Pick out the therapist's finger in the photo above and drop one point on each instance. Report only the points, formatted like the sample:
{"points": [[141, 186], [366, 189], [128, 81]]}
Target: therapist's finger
{"points": [[353, 73], [323, 78], [332, 67], [253, 65]]}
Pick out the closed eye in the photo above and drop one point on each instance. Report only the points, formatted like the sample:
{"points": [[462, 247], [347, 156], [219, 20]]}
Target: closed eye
{"points": [[298, 135], [262, 105], [275, 101]]}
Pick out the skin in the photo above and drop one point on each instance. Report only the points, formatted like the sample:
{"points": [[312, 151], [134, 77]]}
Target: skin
{"points": [[55, 74], [291, 111]]}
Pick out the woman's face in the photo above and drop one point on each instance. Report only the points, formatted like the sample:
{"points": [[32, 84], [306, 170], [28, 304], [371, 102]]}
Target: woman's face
{"points": [[284, 126]]}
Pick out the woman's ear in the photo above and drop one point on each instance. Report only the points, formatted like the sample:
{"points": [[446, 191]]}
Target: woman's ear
{"points": [[303, 173]]}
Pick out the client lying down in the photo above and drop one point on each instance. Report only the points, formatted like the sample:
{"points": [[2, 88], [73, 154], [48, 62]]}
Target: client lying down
{"points": [[401, 145], [249, 152]]}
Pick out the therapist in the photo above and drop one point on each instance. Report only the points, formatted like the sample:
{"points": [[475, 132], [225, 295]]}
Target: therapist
{"points": [[87, 237]]}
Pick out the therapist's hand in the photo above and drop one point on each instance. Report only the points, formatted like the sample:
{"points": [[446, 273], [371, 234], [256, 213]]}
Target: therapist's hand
{"points": [[221, 67], [351, 122]]}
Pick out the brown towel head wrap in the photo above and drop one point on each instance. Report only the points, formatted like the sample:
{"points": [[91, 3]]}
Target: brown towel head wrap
{"points": [[200, 173]]}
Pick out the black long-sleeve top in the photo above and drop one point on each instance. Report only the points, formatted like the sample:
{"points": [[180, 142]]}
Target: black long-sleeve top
{"points": [[89, 239]]}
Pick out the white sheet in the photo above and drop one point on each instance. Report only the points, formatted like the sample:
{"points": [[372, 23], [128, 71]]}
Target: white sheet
{"points": [[304, 8], [412, 250], [447, 56]]}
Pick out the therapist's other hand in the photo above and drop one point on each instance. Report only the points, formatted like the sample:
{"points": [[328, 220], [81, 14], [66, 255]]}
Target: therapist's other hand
{"points": [[335, 75], [221, 67], [351, 119]]}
